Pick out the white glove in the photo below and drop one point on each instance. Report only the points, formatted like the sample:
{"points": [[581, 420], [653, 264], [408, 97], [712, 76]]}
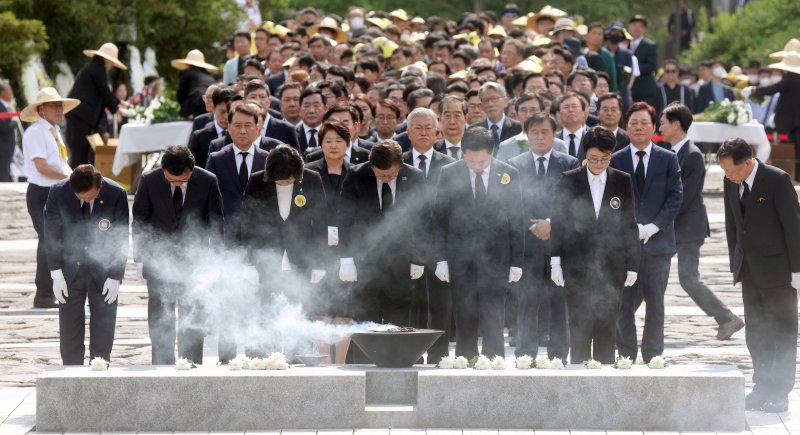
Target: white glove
{"points": [[642, 232], [746, 92], [796, 280], [60, 290], [631, 278], [317, 275], [557, 275], [111, 290], [250, 274], [442, 271], [140, 270], [333, 236], [417, 271], [347, 270], [514, 274]]}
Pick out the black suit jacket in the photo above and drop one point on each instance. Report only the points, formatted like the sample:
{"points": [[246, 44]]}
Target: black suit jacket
{"points": [[202, 120], [72, 241], [580, 154], [223, 164], [490, 235], [91, 87], [705, 96], [403, 140], [435, 165], [275, 82], [510, 128], [538, 198], [595, 249], [691, 222], [200, 143], [358, 155], [767, 235], [282, 131], [192, 84], [265, 235], [166, 244], [645, 87], [623, 139], [8, 132], [332, 192], [787, 117]]}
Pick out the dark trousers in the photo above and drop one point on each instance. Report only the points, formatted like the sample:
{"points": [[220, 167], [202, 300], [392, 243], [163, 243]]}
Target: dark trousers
{"points": [[80, 152], [688, 261], [794, 137], [433, 309], [163, 298], [537, 293], [650, 287], [592, 308], [771, 335], [36, 198], [478, 303], [72, 321], [5, 165]]}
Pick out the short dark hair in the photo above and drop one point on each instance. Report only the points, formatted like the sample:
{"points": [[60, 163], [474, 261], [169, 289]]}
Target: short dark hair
{"points": [[254, 85], [387, 103], [678, 112], [557, 104], [586, 72], [477, 139], [336, 127], [177, 159], [248, 109], [312, 90], [453, 99], [354, 111], [609, 96], [600, 138], [737, 148], [254, 63], [242, 34], [84, 178], [287, 86], [642, 106], [525, 97], [346, 73], [540, 118], [368, 65], [283, 163], [385, 154], [222, 95], [416, 95]]}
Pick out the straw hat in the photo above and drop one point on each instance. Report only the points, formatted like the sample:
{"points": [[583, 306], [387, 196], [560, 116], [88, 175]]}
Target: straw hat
{"points": [[790, 63], [194, 58], [563, 24], [498, 31], [381, 23], [47, 95], [330, 24], [792, 45], [546, 12], [107, 51], [275, 29], [522, 20], [400, 14]]}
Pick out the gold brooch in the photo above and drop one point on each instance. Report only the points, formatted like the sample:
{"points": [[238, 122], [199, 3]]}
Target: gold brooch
{"points": [[300, 200], [505, 178]]}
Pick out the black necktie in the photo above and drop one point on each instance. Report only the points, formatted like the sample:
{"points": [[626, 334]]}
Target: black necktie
{"points": [[86, 210], [480, 188], [572, 145], [387, 202], [542, 172], [177, 202], [422, 165], [640, 171], [454, 152], [243, 174], [495, 134], [745, 194], [312, 143]]}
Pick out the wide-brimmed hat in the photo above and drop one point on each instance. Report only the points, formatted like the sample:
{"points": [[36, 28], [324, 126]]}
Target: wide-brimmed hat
{"points": [[563, 24], [548, 12], [193, 58], [46, 95], [792, 45], [790, 63], [498, 32], [330, 24], [275, 29], [400, 14], [107, 51]]}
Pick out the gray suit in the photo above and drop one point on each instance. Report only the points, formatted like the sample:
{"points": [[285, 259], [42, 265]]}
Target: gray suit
{"points": [[509, 148]]}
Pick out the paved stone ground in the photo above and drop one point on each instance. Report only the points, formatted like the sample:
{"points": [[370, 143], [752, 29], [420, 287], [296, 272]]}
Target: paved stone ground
{"points": [[29, 338]]}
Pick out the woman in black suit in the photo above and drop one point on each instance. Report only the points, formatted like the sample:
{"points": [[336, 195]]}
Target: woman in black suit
{"points": [[594, 243], [332, 168]]}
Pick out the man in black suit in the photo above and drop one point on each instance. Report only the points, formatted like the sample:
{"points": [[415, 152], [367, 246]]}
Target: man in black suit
{"points": [[256, 90], [478, 235], [86, 239], [265, 143], [8, 132], [312, 107], [202, 120], [713, 91], [432, 295], [91, 88], [540, 170], [200, 141], [594, 247], [277, 80], [177, 219], [671, 91], [289, 101], [609, 111], [762, 224], [691, 222], [493, 102], [658, 191], [381, 211], [572, 111], [350, 115], [453, 123], [644, 87]]}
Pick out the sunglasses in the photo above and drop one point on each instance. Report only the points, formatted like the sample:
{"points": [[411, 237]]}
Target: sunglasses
{"points": [[510, 14]]}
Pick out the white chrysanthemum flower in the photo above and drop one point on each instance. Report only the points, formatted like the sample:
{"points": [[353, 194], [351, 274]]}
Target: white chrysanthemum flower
{"points": [[183, 364], [624, 363], [657, 362], [483, 363], [98, 364], [592, 364], [556, 363], [258, 364], [447, 362], [498, 363], [461, 363], [524, 362], [235, 364], [542, 362]]}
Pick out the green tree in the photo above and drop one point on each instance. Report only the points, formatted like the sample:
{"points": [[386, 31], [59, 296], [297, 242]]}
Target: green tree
{"points": [[21, 39]]}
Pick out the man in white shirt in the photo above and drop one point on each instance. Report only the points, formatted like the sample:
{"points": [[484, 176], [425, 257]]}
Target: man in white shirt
{"points": [[45, 165], [572, 111]]}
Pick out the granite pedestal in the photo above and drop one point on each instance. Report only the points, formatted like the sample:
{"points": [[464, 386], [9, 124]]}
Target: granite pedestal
{"points": [[145, 398]]}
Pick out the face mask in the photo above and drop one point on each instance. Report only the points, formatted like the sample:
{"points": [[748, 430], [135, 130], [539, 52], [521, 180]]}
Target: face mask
{"points": [[719, 72], [766, 81], [753, 78], [308, 24], [356, 22], [776, 79], [616, 38]]}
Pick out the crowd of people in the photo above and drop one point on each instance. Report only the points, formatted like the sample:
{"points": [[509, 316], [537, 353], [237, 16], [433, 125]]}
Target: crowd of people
{"points": [[470, 177]]}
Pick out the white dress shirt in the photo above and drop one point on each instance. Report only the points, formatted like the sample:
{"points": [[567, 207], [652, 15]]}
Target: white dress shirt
{"points": [[284, 206], [546, 156], [635, 43], [91, 205], [750, 179], [219, 129], [677, 147], [184, 186], [449, 145], [578, 137], [499, 125], [307, 131], [38, 142], [428, 156], [597, 184], [484, 178], [392, 185], [249, 156], [635, 159]]}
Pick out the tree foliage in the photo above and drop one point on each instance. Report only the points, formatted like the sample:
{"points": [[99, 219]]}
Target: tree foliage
{"points": [[21, 39]]}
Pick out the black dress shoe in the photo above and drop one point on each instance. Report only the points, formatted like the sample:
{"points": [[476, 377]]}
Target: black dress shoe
{"points": [[44, 302], [754, 401], [776, 405]]}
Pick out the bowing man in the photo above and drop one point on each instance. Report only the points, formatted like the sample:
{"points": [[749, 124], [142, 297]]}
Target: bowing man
{"points": [[86, 241], [594, 247]]}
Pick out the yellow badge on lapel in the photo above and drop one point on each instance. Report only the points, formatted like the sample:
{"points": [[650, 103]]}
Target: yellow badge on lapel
{"points": [[300, 200], [584, 162], [505, 178]]}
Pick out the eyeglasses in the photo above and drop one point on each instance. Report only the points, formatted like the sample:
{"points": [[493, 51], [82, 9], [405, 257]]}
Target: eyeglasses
{"points": [[599, 161], [490, 100]]}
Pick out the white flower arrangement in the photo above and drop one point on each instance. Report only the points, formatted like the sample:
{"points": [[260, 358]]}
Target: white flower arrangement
{"points": [[727, 112], [258, 364], [447, 362], [524, 362], [482, 363], [623, 363], [542, 362], [246, 362], [276, 361], [657, 362], [98, 364], [184, 364], [498, 363], [592, 364], [236, 364], [556, 363], [461, 363]]}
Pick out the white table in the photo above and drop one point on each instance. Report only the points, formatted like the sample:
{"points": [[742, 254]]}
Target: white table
{"points": [[137, 139], [714, 132]]}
